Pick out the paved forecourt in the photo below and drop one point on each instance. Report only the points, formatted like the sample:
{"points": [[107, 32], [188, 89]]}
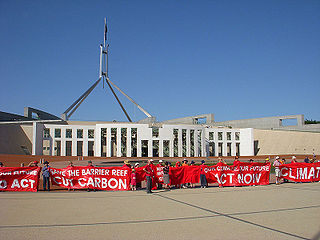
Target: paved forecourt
{"points": [[288, 211]]}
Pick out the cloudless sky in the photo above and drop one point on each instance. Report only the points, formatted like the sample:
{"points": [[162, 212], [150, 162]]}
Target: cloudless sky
{"points": [[236, 59]]}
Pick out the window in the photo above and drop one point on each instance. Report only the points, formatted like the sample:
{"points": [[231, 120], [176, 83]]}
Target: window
{"points": [[228, 149], [211, 136], [68, 148], [79, 148], [133, 142], [184, 142], [237, 136], [219, 135], [155, 148], [238, 149], [175, 142], [91, 148], [191, 143], [199, 143], [90, 133], [123, 142], [229, 136], [166, 144], [220, 149], [212, 149], [103, 142], [79, 133], [57, 133], [68, 133], [113, 142], [46, 133], [144, 148], [57, 148], [155, 132]]}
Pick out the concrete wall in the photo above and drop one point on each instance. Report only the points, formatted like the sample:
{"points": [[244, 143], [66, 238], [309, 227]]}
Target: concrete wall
{"points": [[13, 136], [275, 123], [286, 142], [191, 120]]}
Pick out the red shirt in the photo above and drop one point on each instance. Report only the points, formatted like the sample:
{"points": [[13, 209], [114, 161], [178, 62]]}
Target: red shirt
{"points": [[133, 179], [202, 167], [236, 162]]}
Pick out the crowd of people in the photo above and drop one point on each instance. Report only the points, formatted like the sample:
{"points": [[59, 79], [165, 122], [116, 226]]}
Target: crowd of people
{"points": [[149, 170]]}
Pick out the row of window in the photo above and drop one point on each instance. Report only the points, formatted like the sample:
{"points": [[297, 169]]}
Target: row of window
{"points": [[220, 136], [57, 133], [213, 150], [155, 133]]}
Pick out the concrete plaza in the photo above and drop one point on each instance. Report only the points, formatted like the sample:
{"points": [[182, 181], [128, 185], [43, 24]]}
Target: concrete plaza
{"points": [[288, 211]]}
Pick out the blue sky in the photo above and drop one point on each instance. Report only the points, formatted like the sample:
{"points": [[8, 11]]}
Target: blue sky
{"points": [[236, 59]]}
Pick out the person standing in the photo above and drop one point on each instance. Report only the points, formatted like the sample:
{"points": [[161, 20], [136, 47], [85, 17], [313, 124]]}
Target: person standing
{"points": [[149, 175], [284, 162], [276, 165], [126, 164], [136, 166], [159, 174], [70, 166], [90, 165], [192, 185], [203, 178], [133, 181], [184, 164], [1, 164], [236, 161], [46, 176], [166, 177], [294, 159], [221, 161]]}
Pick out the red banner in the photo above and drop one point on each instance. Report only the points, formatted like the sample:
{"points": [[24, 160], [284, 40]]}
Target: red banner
{"points": [[159, 173], [300, 172], [19, 178], [241, 174], [100, 178]]}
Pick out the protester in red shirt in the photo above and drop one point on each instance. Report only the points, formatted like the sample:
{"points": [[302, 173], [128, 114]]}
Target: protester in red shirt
{"points": [[185, 163], [203, 178], [149, 169], [90, 165], [236, 160], [136, 167], [133, 181], [221, 161], [178, 164], [126, 164], [70, 165]]}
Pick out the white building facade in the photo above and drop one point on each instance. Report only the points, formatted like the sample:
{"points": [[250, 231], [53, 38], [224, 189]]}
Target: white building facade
{"points": [[140, 140]]}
